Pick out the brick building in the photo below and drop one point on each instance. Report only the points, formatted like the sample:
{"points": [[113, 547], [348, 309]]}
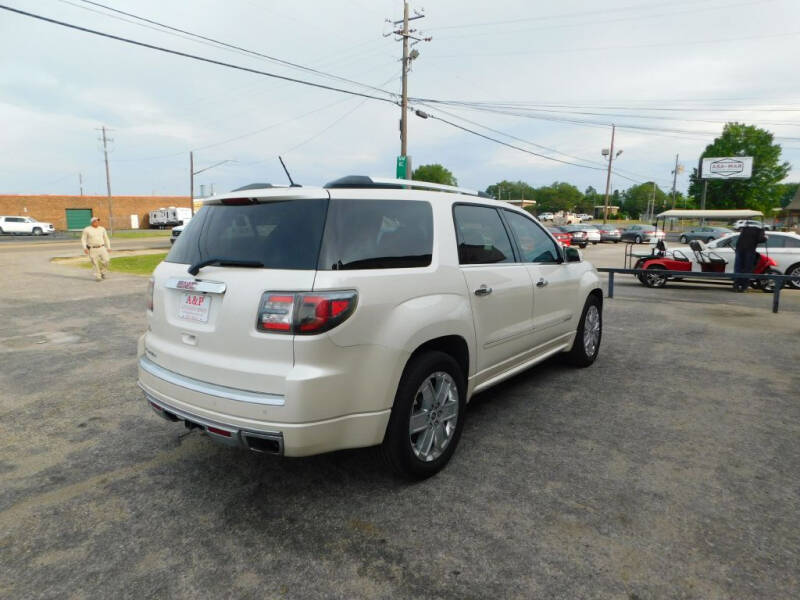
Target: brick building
{"points": [[74, 212]]}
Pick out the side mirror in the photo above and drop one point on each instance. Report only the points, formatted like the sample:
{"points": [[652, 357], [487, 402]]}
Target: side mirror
{"points": [[572, 254]]}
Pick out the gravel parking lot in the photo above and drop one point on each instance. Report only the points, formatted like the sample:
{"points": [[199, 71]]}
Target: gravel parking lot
{"points": [[669, 469]]}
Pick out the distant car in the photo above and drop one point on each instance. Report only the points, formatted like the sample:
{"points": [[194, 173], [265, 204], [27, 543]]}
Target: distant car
{"points": [[25, 226], [784, 247], [562, 237], [176, 231], [639, 234], [741, 223], [579, 236], [546, 216], [704, 234], [584, 217], [592, 232], [609, 233]]}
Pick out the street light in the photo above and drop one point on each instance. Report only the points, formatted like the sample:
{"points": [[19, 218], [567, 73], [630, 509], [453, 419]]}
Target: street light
{"points": [[192, 173]]}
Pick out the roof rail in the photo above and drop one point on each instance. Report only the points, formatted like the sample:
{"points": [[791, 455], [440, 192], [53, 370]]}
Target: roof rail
{"points": [[364, 181]]}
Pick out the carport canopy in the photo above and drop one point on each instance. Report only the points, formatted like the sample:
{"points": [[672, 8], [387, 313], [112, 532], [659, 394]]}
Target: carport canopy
{"points": [[709, 214]]}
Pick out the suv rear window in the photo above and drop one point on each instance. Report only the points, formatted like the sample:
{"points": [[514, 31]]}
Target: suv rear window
{"points": [[280, 235], [377, 234]]}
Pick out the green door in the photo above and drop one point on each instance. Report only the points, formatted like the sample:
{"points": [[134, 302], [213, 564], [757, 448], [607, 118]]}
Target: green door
{"points": [[78, 218]]}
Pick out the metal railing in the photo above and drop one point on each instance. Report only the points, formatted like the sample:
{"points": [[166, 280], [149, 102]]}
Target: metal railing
{"points": [[776, 291]]}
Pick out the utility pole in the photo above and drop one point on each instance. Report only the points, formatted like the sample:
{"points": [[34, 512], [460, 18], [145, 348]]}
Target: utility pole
{"points": [[108, 180], [405, 34], [80, 182], [610, 156], [674, 180]]}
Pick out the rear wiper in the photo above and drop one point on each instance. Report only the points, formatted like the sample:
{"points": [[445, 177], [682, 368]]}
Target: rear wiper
{"points": [[224, 262]]}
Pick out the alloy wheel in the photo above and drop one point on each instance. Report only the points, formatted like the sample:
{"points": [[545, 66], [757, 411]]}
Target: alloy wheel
{"points": [[591, 330], [434, 415]]}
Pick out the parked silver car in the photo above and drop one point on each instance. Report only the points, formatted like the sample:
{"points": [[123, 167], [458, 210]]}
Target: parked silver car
{"points": [[705, 234]]}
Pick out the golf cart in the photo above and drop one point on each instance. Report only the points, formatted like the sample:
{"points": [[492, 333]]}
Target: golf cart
{"points": [[695, 259]]}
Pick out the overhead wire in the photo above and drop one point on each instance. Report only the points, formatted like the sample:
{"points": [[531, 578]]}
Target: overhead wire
{"points": [[220, 43], [198, 57]]}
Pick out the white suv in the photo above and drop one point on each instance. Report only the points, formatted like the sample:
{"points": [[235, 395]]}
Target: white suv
{"points": [[25, 225], [297, 321]]}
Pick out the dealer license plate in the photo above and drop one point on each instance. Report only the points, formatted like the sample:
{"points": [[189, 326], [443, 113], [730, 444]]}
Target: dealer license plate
{"points": [[194, 307]]}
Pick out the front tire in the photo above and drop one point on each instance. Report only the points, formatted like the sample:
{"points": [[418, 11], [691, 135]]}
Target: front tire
{"points": [[427, 417], [794, 271], [638, 239], [767, 285], [684, 239], [37, 231], [586, 346]]}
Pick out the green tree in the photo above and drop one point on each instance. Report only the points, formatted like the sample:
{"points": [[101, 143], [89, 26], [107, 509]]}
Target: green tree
{"points": [[434, 174], [511, 190], [787, 191], [636, 198], [762, 191], [557, 196]]}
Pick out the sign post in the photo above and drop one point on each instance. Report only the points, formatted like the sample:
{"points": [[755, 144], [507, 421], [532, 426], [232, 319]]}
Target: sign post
{"points": [[403, 167]]}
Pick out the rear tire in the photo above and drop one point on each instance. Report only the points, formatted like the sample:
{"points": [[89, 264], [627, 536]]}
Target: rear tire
{"points": [[638, 239], [37, 231], [430, 398], [655, 279], [586, 346]]}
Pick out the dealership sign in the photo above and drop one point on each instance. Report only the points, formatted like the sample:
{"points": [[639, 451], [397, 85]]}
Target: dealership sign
{"points": [[733, 167]]}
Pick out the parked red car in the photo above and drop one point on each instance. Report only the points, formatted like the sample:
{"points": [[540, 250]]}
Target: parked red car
{"points": [[562, 237]]}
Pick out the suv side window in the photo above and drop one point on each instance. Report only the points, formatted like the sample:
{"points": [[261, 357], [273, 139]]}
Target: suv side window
{"points": [[482, 237], [377, 234], [534, 244]]}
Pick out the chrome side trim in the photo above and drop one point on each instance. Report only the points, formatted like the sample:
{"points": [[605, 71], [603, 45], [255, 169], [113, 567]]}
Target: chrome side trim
{"points": [[195, 285], [211, 389]]}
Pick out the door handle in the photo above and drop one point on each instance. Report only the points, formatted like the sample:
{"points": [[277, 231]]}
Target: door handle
{"points": [[483, 290], [542, 282]]}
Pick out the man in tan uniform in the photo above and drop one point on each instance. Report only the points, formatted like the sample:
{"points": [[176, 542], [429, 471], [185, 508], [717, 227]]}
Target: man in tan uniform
{"points": [[96, 244]]}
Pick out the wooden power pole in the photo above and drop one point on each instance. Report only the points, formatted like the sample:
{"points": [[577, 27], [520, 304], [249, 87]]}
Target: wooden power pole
{"points": [[105, 140], [405, 34]]}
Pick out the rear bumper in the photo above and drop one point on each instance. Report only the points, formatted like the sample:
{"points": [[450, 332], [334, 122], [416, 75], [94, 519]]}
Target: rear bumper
{"points": [[209, 407]]}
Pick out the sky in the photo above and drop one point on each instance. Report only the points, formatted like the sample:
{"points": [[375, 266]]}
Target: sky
{"points": [[565, 71]]}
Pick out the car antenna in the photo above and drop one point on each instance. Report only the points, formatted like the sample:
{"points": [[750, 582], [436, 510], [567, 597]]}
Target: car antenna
{"points": [[291, 181]]}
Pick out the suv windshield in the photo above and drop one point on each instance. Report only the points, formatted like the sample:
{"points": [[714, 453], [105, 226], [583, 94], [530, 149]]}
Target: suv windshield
{"points": [[278, 235]]}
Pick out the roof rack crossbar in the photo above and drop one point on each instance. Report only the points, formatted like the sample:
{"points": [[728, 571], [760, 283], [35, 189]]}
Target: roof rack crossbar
{"points": [[388, 182]]}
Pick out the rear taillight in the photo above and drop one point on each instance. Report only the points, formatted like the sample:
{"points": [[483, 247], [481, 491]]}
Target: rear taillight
{"points": [[304, 313], [150, 287]]}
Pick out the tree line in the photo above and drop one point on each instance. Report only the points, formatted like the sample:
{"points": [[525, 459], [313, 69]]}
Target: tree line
{"points": [[763, 191]]}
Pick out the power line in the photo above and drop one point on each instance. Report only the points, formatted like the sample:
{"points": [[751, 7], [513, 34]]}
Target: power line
{"points": [[200, 58], [630, 47], [218, 43], [593, 22], [556, 16]]}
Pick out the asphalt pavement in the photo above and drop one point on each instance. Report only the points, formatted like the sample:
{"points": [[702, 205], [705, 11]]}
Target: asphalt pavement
{"points": [[669, 469]]}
